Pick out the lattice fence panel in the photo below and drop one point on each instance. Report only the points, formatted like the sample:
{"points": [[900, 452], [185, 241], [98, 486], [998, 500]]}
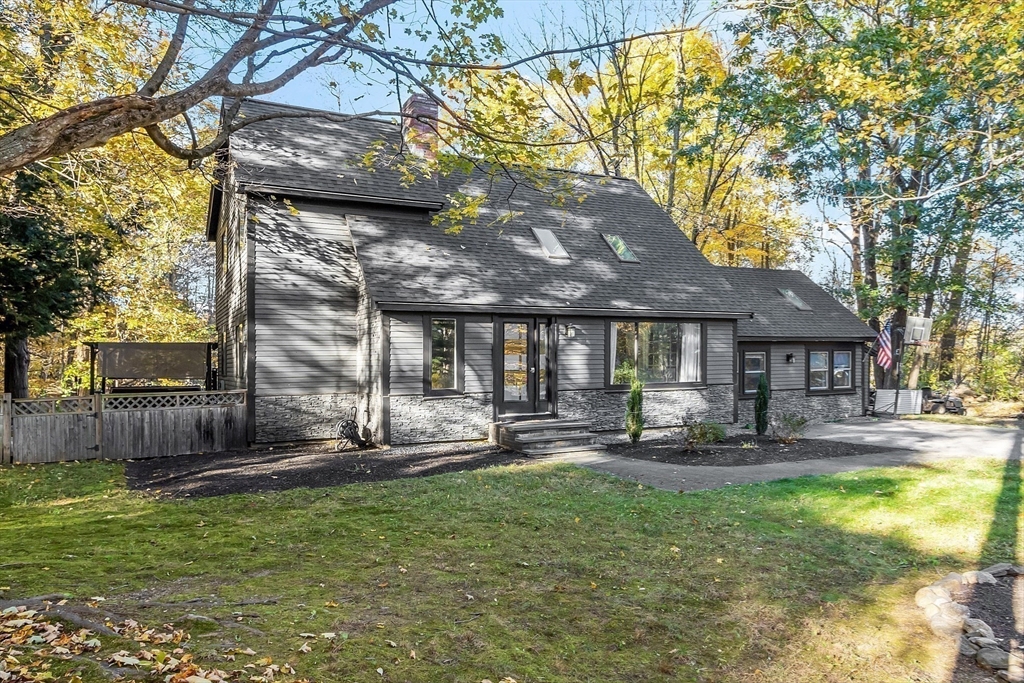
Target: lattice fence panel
{"points": [[184, 400], [52, 406]]}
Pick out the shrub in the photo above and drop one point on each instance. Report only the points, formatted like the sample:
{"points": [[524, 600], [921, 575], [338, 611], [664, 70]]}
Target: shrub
{"points": [[635, 410], [790, 428], [703, 432], [761, 406]]}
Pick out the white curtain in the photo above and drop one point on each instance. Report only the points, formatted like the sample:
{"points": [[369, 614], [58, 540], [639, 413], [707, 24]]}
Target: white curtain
{"points": [[689, 363]]}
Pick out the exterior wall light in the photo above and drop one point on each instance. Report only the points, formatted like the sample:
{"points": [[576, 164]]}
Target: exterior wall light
{"points": [[790, 357], [568, 330]]}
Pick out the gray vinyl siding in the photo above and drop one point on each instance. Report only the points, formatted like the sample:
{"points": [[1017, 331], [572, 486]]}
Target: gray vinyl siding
{"points": [[788, 375], [306, 299], [719, 352], [230, 298], [479, 369], [581, 359], [406, 355]]}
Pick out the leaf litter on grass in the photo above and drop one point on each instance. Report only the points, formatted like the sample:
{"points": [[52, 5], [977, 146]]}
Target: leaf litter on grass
{"points": [[33, 641]]}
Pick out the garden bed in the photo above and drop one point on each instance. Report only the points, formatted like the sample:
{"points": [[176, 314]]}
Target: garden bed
{"points": [[739, 450], [307, 466]]}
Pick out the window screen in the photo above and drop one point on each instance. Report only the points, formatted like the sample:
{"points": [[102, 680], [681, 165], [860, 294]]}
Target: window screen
{"points": [[550, 244]]}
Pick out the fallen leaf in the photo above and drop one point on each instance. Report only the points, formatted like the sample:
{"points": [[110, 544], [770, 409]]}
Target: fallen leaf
{"points": [[305, 648], [380, 671], [330, 635], [391, 643], [412, 654], [330, 603]]}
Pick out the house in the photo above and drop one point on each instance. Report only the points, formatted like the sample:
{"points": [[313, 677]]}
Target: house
{"points": [[338, 296]]}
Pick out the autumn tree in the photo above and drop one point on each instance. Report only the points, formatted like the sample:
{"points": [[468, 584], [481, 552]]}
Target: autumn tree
{"points": [[888, 111], [50, 273]]}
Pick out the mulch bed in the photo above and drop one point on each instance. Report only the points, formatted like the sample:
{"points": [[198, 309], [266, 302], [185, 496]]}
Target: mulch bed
{"points": [[737, 450], [993, 604], [280, 469]]}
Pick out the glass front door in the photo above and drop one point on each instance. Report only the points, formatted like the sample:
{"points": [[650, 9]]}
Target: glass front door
{"points": [[526, 379]]}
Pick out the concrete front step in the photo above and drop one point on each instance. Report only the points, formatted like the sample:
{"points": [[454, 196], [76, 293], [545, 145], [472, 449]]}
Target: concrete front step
{"points": [[564, 450], [545, 437]]}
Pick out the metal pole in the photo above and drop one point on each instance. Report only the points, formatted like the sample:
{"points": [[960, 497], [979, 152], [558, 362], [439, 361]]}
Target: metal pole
{"points": [[92, 368], [899, 372]]}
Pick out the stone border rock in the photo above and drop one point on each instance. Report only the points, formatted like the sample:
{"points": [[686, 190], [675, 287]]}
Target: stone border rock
{"points": [[949, 618]]}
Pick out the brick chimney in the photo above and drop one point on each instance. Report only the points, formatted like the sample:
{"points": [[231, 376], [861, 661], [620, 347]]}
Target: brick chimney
{"points": [[419, 134]]}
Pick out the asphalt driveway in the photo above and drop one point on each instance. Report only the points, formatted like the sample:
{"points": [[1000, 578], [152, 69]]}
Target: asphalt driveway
{"points": [[922, 442]]}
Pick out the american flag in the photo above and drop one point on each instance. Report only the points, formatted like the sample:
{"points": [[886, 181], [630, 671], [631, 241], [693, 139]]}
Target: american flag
{"points": [[884, 357]]}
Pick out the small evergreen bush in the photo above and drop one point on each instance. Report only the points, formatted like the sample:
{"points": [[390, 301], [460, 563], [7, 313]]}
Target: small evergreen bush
{"points": [[790, 428], [698, 433], [635, 410], [761, 406]]}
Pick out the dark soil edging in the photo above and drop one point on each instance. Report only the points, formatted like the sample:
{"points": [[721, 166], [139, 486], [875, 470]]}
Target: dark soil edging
{"points": [[279, 469], [740, 450]]}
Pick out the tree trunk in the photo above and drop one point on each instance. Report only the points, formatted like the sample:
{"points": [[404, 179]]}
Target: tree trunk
{"points": [[16, 366], [958, 281]]}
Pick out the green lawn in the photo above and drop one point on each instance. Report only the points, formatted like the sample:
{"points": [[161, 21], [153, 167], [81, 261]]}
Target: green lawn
{"points": [[546, 573]]}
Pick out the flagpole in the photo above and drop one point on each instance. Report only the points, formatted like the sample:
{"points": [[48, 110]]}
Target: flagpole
{"points": [[899, 370]]}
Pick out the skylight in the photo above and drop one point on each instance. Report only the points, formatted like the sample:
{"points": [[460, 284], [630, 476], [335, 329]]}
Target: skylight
{"points": [[620, 248], [794, 299], [550, 244]]}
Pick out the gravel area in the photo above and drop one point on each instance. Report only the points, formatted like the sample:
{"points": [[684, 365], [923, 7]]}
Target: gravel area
{"points": [[739, 450], [994, 604], [278, 469]]}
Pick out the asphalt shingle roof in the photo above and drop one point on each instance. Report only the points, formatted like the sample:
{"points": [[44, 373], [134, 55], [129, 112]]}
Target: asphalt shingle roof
{"points": [[496, 262], [775, 317]]}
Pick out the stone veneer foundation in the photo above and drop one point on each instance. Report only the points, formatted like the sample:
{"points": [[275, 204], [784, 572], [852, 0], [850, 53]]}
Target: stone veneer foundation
{"points": [[606, 410], [305, 417], [424, 419], [798, 402]]}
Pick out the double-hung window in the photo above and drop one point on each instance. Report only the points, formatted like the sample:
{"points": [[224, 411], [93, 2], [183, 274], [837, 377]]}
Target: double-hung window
{"points": [[441, 350], [755, 364], [656, 352], [830, 370]]}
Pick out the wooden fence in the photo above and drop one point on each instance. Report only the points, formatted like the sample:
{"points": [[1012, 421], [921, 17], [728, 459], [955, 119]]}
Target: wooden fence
{"points": [[119, 426]]}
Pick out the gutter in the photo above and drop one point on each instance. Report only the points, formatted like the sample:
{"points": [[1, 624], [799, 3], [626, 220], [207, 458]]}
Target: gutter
{"points": [[430, 307], [258, 188]]}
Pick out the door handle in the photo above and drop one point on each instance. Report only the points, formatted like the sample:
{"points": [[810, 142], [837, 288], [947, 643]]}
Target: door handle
{"points": [[533, 370]]}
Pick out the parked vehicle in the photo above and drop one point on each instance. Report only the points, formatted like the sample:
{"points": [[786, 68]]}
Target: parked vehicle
{"points": [[940, 405]]}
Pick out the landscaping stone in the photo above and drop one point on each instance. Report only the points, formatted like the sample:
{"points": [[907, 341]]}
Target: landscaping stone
{"points": [[973, 577], [935, 607], [951, 582], [968, 648], [946, 617], [955, 609], [984, 642], [945, 625], [977, 627], [927, 595], [993, 658], [1001, 569]]}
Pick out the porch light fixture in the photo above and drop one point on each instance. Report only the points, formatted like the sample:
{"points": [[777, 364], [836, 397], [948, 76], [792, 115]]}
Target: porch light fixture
{"points": [[790, 357], [568, 331]]}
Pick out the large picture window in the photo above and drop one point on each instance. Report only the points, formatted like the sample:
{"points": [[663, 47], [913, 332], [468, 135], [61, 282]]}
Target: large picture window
{"points": [[830, 370], [656, 352], [443, 351]]}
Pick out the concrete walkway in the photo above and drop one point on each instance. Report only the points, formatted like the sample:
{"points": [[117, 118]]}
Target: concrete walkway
{"points": [[925, 442]]}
